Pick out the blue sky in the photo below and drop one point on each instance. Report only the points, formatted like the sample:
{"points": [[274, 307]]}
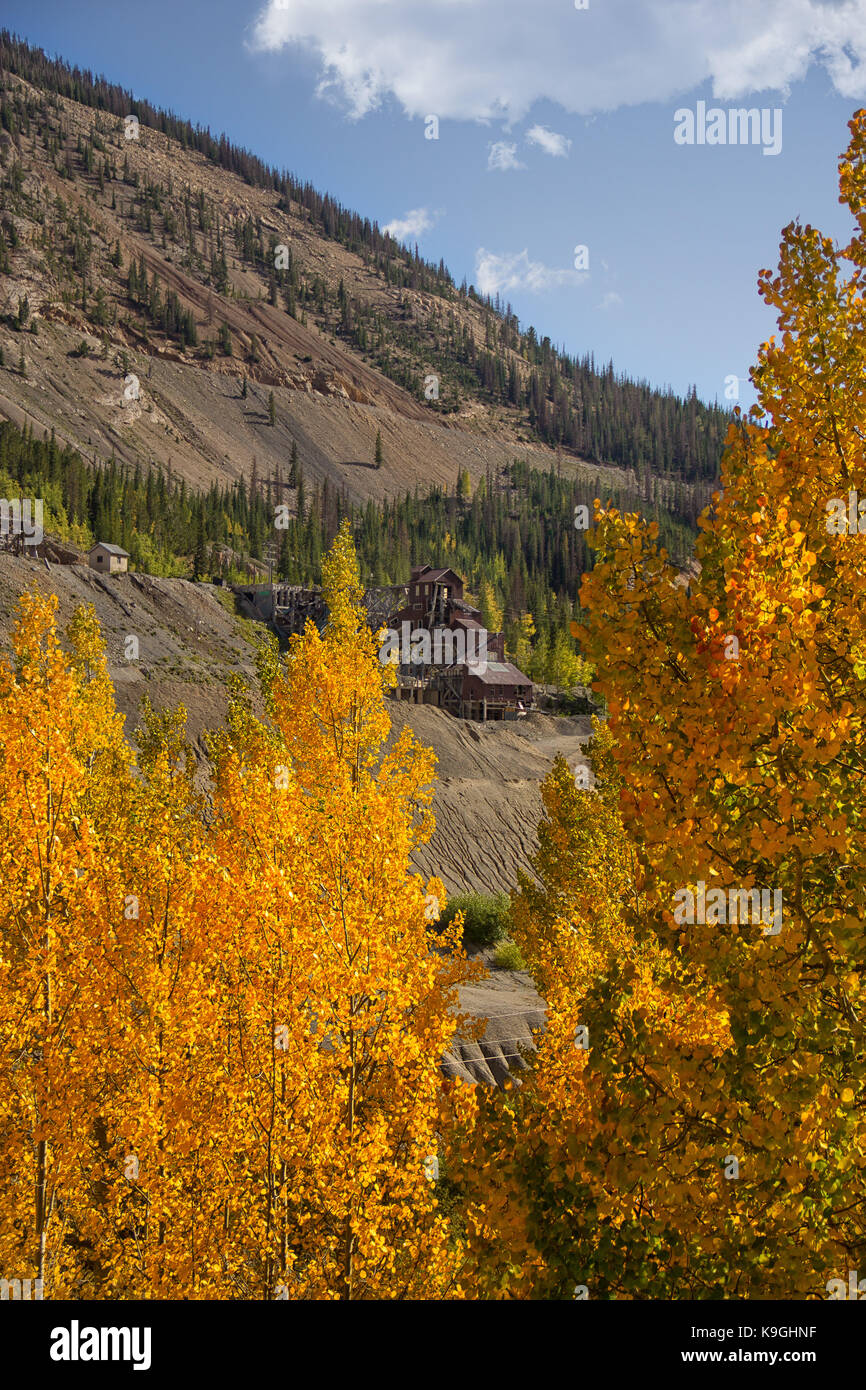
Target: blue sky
{"points": [[556, 130]]}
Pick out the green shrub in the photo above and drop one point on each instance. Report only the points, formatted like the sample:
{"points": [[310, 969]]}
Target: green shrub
{"points": [[508, 956], [570, 702], [486, 917]]}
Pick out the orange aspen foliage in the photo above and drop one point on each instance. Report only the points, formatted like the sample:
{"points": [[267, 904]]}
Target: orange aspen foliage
{"points": [[221, 1026], [342, 990], [163, 1169], [593, 1155], [730, 1160], [59, 737]]}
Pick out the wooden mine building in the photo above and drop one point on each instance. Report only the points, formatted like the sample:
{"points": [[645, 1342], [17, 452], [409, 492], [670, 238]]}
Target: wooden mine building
{"points": [[471, 689], [485, 687]]}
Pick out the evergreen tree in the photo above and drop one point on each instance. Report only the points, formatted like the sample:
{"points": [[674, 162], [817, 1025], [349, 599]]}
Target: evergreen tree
{"points": [[199, 561], [378, 453], [284, 562], [301, 493]]}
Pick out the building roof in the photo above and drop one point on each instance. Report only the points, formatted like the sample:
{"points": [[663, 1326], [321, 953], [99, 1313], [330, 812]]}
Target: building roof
{"points": [[496, 673], [112, 549], [427, 574]]}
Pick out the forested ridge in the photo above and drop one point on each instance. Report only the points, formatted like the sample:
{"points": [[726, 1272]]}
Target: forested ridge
{"points": [[474, 344], [514, 540], [511, 533]]}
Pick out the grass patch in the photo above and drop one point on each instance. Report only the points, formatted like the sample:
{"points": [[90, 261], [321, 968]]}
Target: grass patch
{"points": [[249, 629], [508, 956]]}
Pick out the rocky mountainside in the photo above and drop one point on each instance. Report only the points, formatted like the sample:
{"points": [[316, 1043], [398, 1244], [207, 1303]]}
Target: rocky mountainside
{"points": [[148, 271], [186, 409]]}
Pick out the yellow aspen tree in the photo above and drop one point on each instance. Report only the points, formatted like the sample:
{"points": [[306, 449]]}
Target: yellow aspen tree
{"points": [[164, 1167], [574, 1183], [525, 631], [348, 992], [267, 1025], [491, 612], [737, 707], [59, 734]]}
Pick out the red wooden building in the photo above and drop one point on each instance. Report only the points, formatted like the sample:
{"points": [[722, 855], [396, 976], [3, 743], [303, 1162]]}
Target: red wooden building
{"points": [[486, 688]]}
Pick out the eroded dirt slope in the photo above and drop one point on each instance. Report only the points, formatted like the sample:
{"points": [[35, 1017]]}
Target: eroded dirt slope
{"points": [[488, 791], [188, 639]]}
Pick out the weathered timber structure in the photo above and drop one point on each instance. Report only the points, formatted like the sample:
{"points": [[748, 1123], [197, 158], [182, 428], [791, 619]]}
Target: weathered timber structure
{"points": [[289, 607], [444, 655], [294, 607], [468, 674]]}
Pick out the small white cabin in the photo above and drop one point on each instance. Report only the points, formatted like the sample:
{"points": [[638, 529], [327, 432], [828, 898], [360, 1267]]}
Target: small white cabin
{"points": [[108, 559]]}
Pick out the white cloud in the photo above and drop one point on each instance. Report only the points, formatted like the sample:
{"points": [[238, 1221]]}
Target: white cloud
{"points": [[414, 224], [493, 59], [515, 271], [611, 300], [503, 156], [549, 141]]}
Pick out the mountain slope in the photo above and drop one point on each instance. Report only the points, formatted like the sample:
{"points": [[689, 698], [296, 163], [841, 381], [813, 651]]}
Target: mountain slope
{"points": [[189, 409], [159, 255]]}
